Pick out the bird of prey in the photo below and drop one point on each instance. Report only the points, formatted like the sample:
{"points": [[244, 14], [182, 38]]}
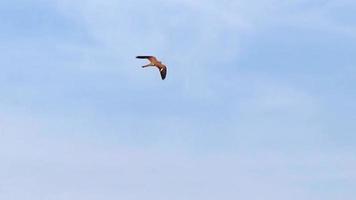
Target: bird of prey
{"points": [[155, 63]]}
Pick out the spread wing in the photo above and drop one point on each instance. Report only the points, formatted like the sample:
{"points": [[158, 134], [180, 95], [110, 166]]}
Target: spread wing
{"points": [[150, 58], [163, 71]]}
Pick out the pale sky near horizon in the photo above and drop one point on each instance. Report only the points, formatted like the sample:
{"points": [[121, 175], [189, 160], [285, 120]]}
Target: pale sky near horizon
{"points": [[258, 104]]}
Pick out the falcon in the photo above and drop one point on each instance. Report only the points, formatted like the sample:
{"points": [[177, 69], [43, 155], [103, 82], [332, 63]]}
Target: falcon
{"points": [[155, 63]]}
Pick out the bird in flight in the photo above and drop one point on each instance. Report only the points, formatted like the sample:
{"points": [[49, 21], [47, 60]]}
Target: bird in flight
{"points": [[155, 63]]}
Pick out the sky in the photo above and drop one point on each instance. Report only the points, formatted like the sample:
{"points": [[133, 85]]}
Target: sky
{"points": [[258, 103]]}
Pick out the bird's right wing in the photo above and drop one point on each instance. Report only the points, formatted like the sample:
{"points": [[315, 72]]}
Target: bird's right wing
{"points": [[150, 58]]}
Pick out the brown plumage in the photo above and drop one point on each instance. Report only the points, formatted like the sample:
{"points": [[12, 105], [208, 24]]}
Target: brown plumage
{"points": [[155, 63]]}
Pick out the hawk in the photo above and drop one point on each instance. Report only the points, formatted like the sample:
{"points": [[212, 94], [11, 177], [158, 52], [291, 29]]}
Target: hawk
{"points": [[155, 63]]}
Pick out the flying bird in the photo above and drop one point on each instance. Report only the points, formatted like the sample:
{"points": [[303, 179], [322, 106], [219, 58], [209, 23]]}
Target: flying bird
{"points": [[155, 63]]}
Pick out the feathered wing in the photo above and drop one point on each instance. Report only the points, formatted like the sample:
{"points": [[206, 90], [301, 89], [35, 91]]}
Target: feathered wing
{"points": [[143, 57], [150, 58], [163, 72]]}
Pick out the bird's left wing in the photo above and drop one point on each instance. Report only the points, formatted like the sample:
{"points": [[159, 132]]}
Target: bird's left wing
{"points": [[163, 72]]}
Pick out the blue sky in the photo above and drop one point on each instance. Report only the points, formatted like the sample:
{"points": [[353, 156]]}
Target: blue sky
{"points": [[258, 102]]}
